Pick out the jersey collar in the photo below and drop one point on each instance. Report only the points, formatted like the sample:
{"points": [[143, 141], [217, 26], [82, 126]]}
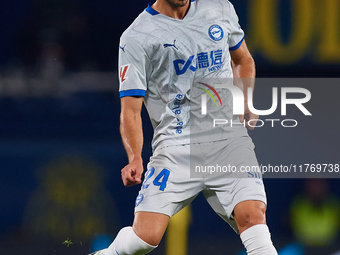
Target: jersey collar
{"points": [[152, 11]]}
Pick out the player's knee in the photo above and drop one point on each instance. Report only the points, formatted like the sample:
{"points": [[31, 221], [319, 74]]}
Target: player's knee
{"points": [[249, 213], [150, 227], [152, 238], [128, 242]]}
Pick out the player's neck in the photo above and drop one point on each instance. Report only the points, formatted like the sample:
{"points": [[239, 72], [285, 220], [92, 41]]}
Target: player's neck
{"points": [[169, 8]]}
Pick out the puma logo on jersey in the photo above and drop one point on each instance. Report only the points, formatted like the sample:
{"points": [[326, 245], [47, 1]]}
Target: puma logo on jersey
{"points": [[122, 48], [123, 72], [170, 45]]}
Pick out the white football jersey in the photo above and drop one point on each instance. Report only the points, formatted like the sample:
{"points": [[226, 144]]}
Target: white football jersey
{"points": [[160, 58]]}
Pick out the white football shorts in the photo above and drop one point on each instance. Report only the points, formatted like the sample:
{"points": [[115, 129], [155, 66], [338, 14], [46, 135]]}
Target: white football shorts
{"points": [[168, 184]]}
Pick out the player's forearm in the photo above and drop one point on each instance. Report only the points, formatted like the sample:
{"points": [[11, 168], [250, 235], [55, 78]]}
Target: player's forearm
{"points": [[132, 134], [244, 67], [244, 73]]}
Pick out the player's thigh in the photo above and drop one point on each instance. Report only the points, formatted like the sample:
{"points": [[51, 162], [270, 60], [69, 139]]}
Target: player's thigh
{"points": [[167, 186], [166, 189], [150, 226], [227, 190]]}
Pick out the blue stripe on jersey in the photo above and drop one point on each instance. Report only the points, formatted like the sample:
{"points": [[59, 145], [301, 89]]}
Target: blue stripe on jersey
{"points": [[132, 92], [237, 45], [151, 11]]}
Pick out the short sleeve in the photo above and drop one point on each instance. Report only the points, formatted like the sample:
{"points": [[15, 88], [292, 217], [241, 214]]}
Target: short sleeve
{"points": [[134, 67], [236, 32]]}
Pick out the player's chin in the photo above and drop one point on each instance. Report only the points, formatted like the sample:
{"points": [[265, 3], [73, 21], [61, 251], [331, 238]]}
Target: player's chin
{"points": [[178, 3]]}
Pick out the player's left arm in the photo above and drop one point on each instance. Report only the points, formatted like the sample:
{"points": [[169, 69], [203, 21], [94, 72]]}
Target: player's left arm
{"points": [[244, 73]]}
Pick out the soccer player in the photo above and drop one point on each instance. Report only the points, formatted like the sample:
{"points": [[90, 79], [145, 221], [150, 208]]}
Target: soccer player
{"points": [[169, 46]]}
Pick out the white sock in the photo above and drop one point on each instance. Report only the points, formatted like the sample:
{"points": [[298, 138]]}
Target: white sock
{"points": [[257, 241], [128, 243]]}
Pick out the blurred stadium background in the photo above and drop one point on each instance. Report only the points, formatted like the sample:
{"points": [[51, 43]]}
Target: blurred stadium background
{"points": [[60, 149]]}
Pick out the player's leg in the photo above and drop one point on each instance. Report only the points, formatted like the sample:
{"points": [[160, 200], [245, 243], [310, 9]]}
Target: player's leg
{"points": [[165, 191], [249, 213], [144, 236], [244, 216], [251, 221], [150, 226], [239, 197]]}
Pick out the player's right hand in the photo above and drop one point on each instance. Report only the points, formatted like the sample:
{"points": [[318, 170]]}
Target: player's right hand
{"points": [[248, 115], [132, 173]]}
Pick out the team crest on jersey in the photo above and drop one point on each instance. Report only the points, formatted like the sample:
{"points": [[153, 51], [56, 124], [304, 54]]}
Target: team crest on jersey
{"points": [[216, 32], [122, 73]]}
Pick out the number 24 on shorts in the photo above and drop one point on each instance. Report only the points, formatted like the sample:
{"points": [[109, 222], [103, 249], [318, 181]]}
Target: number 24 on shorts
{"points": [[160, 180]]}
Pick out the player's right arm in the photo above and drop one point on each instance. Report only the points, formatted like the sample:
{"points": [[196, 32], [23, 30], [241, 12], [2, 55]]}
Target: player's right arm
{"points": [[134, 67], [132, 136]]}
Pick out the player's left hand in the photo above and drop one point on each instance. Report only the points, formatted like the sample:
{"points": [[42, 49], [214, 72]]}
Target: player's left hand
{"points": [[248, 115]]}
